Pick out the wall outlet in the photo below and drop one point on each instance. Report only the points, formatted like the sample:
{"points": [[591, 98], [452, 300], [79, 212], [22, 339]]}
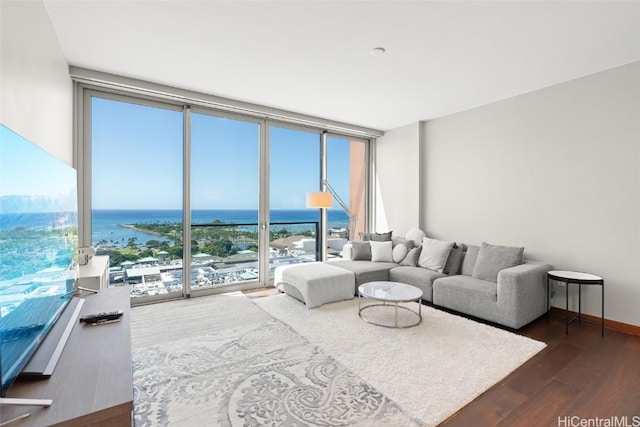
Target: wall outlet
{"points": [[85, 253]]}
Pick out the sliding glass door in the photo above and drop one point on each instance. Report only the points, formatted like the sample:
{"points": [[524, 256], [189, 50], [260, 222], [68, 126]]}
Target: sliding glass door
{"points": [[136, 194], [225, 190], [192, 201], [294, 170], [347, 174]]}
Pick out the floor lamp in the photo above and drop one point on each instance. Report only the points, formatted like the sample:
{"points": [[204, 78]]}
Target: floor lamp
{"points": [[324, 200]]}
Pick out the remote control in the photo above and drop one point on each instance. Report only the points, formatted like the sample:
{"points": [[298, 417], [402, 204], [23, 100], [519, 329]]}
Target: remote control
{"points": [[101, 317]]}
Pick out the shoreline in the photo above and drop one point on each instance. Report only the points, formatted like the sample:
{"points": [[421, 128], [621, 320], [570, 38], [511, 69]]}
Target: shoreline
{"points": [[140, 230]]}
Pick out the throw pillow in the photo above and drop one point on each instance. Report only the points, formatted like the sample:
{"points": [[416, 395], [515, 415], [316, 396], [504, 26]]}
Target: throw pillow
{"points": [[416, 235], [411, 260], [402, 241], [469, 259], [493, 258], [398, 240], [376, 237], [400, 252], [454, 260], [381, 251], [434, 254], [361, 251]]}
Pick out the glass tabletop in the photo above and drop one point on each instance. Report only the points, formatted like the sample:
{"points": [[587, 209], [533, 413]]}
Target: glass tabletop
{"points": [[390, 291], [574, 275]]}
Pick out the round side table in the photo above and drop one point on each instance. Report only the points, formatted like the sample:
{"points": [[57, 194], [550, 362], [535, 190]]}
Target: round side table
{"points": [[580, 279]]}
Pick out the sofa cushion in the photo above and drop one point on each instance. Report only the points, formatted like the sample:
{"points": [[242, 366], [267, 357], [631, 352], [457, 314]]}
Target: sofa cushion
{"points": [[469, 259], [376, 237], [468, 295], [381, 251], [454, 260], [434, 254], [411, 260], [366, 271], [360, 251], [419, 277], [416, 235], [493, 258]]}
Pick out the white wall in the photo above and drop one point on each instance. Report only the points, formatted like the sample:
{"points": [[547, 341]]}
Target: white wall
{"points": [[36, 93], [397, 180], [557, 171]]}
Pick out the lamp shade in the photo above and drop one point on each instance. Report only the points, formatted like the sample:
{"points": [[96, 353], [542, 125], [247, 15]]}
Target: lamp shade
{"points": [[319, 199]]}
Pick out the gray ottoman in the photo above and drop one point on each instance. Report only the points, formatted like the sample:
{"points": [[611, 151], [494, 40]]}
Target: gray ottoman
{"points": [[315, 283]]}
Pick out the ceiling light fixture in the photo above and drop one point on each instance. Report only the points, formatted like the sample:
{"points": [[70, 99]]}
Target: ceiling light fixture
{"points": [[377, 51]]}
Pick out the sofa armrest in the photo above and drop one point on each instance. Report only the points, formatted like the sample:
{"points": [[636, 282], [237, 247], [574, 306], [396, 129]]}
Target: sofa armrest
{"points": [[522, 290], [347, 251]]}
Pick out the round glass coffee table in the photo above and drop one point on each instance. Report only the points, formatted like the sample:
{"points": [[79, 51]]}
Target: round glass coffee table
{"points": [[390, 294]]}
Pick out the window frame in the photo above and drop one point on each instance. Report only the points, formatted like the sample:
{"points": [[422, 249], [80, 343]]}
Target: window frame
{"points": [[85, 89]]}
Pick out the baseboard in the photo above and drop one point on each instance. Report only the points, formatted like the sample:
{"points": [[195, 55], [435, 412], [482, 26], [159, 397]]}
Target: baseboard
{"points": [[613, 325]]}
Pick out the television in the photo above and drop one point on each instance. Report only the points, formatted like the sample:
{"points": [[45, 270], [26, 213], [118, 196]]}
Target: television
{"points": [[38, 249]]}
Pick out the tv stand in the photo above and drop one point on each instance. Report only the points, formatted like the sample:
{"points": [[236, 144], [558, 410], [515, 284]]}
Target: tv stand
{"points": [[92, 384]]}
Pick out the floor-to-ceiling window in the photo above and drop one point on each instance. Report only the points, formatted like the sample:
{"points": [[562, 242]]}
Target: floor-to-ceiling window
{"points": [[294, 170], [137, 193], [191, 200], [347, 174], [225, 180]]}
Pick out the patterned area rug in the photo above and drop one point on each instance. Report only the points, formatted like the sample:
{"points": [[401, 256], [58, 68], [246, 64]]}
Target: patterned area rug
{"points": [[430, 370], [264, 374], [227, 361]]}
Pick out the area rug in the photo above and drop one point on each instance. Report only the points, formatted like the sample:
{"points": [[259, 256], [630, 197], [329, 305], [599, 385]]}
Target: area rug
{"points": [[229, 361], [431, 370], [249, 369]]}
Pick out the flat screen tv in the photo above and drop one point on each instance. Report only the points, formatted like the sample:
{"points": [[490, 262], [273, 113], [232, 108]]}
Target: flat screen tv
{"points": [[38, 245]]}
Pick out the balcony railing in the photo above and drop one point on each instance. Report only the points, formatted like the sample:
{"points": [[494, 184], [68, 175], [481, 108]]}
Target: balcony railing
{"points": [[224, 254]]}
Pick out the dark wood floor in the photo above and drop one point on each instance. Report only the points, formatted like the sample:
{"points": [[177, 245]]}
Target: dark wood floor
{"points": [[577, 375]]}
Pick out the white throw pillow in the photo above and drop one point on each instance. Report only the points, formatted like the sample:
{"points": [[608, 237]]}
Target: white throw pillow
{"points": [[434, 254], [381, 251], [400, 252], [416, 235], [347, 251]]}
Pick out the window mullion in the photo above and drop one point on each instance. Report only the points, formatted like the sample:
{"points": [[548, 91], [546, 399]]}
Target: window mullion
{"points": [[186, 203]]}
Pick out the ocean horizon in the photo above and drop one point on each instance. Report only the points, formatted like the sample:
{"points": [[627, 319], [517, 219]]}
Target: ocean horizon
{"points": [[107, 223]]}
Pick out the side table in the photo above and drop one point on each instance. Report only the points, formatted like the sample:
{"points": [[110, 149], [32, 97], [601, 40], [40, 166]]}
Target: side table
{"points": [[580, 279]]}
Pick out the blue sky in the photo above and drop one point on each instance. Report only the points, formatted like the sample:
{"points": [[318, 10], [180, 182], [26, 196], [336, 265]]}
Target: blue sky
{"points": [[28, 170], [137, 161]]}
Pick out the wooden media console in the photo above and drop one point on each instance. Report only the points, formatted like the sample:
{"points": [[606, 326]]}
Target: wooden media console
{"points": [[92, 384]]}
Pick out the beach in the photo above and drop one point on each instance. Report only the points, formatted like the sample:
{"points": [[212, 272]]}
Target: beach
{"points": [[115, 227]]}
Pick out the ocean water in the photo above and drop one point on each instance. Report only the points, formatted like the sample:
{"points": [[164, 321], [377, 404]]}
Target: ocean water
{"points": [[32, 242], [36, 251], [107, 224], [39, 220]]}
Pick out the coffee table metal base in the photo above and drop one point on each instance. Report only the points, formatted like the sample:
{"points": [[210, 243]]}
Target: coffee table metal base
{"points": [[396, 307]]}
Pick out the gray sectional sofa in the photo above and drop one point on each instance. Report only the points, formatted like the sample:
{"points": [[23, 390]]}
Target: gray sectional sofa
{"points": [[512, 296]]}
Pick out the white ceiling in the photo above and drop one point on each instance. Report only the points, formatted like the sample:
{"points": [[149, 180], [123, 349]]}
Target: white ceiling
{"points": [[313, 57]]}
